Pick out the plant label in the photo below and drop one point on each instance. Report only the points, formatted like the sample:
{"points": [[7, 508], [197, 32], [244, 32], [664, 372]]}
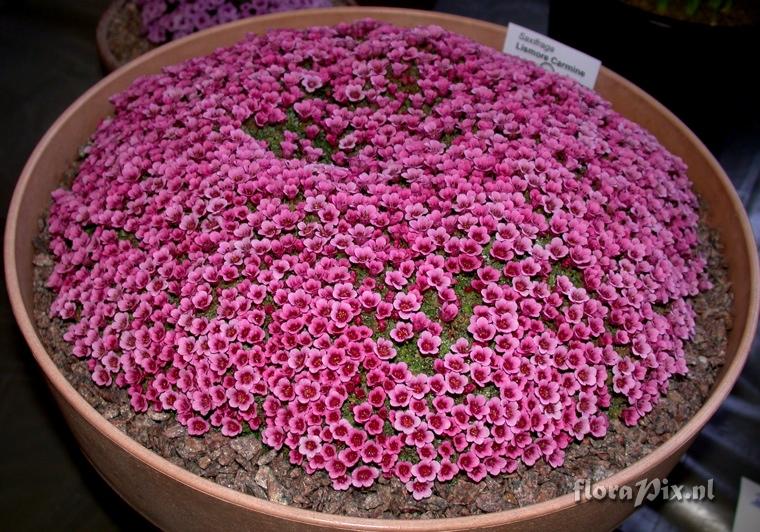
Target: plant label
{"points": [[551, 55]]}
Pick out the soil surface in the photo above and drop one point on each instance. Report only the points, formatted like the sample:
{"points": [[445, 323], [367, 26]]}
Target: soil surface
{"points": [[243, 463]]}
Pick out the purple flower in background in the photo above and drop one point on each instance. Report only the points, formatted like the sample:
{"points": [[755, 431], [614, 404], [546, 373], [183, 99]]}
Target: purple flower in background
{"points": [[166, 20], [227, 13]]}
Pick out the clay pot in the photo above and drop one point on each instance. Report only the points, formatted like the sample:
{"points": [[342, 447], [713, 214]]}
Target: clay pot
{"points": [[125, 9], [173, 498]]}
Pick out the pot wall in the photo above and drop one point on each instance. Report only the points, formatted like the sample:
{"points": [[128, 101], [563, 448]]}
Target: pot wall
{"points": [[175, 499]]}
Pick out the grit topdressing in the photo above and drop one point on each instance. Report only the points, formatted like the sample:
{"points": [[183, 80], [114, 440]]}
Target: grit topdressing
{"points": [[396, 254]]}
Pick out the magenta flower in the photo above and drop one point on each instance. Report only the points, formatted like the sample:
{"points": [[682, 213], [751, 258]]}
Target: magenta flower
{"points": [[363, 476], [428, 344], [419, 489], [481, 329]]}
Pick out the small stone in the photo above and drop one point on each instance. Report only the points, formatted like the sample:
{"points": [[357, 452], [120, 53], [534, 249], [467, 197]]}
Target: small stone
{"points": [[263, 476], [373, 500], [42, 259], [275, 491], [191, 448], [547, 490], [510, 498], [489, 501], [226, 456], [174, 431], [267, 458], [110, 411], [246, 446], [158, 416], [463, 492], [434, 502], [204, 462]]}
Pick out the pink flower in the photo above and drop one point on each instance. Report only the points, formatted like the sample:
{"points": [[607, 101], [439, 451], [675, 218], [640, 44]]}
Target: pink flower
{"points": [[402, 331], [426, 470], [197, 426], [406, 304], [341, 313], [481, 329], [420, 490], [547, 392], [428, 344], [384, 349], [363, 476]]}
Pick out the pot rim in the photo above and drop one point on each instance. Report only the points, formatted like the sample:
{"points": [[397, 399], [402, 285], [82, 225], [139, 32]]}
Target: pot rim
{"points": [[628, 475]]}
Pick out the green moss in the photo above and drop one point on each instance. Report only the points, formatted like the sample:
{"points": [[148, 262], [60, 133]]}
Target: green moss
{"points": [[271, 135], [409, 352], [489, 390], [623, 350], [274, 134], [617, 404], [468, 300], [409, 454], [210, 312], [574, 274], [294, 202], [488, 259], [82, 153], [321, 143], [447, 340], [448, 138], [369, 319], [581, 170], [408, 80], [430, 304], [125, 235], [347, 411]]}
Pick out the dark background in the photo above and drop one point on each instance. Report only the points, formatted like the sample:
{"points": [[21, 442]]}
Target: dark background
{"points": [[47, 59]]}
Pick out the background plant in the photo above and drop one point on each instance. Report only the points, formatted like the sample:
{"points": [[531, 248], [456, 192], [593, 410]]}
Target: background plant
{"points": [[166, 20]]}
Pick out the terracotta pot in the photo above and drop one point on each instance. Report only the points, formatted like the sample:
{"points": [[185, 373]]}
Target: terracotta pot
{"points": [[109, 60], [173, 498]]}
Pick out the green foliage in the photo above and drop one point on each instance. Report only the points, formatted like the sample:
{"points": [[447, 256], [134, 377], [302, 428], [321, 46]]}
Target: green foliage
{"points": [[489, 391], [409, 454], [409, 352], [617, 404], [574, 274], [468, 300]]}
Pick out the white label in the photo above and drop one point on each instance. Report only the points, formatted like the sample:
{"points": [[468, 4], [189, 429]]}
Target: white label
{"points": [[748, 508], [551, 55]]}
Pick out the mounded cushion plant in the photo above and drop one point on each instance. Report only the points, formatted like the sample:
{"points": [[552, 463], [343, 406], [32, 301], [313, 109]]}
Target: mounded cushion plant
{"points": [[391, 251]]}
